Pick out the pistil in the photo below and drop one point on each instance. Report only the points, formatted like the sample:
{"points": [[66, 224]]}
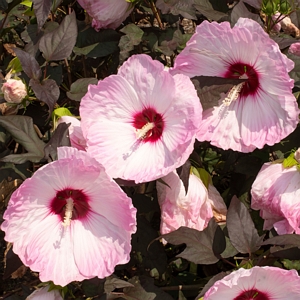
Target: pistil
{"points": [[142, 132]]}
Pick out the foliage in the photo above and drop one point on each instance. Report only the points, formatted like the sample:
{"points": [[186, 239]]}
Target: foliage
{"points": [[51, 46]]}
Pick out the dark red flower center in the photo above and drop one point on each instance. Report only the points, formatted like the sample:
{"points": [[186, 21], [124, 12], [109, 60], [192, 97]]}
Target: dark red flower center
{"points": [[252, 294], [245, 71], [149, 125], [69, 202]]}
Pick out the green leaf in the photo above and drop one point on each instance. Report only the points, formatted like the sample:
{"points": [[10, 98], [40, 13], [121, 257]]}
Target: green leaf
{"points": [[80, 87], [58, 44], [290, 161], [22, 130], [15, 65]]}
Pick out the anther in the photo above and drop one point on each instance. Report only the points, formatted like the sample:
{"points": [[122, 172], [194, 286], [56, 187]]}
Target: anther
{"points": [[68, 212], [142, 132]]}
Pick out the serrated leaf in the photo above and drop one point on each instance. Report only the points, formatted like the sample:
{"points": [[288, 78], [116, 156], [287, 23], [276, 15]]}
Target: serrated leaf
{"points": [[42, 10], [29, 64], [46, 91], [59, 138], [184, 174], [242, 232], [79, 88], [199, 244], [22, 130], [58, 44]]}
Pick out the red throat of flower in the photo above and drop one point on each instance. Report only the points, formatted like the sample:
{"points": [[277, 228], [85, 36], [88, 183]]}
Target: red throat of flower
{"points": [[70, 205], [252, 294], [148, 125], [240, 70]]}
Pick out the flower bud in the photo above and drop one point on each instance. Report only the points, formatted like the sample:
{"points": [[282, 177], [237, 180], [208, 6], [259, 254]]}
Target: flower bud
{"points": [[14, 90], [295, 49]]}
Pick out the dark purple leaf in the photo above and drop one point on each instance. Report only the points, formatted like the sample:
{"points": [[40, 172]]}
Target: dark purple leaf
{"points": [[29, 64], [282, 240], [153, 255], [46, 91], [199, 244], [292, 253], [93, 287], [12, 263], [59, 43], [42, 10], [59, 138], [22, 130], [112, 282], [242, 232], [3, 5], [219, 242], [184, 174]]}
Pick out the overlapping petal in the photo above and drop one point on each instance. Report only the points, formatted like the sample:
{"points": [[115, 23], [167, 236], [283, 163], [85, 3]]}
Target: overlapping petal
{"points": [[193, 209], [98, 235], [120, 106], [265, 110], [276, 193]]}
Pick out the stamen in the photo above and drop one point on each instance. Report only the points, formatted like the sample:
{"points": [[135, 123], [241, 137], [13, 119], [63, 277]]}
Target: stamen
{"points": [[233, 94], [141, 133], [68, 212]]}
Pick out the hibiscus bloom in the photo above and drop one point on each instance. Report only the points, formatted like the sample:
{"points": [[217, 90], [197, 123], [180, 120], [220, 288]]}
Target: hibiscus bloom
{"points": [[141, 124], [76, 137], [193, 209], [276, 193], [106, 13], [70, 221], [262, 110], [259, 283]]}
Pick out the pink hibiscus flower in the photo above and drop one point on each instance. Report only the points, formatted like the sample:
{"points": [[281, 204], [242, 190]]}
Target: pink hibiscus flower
{"points": [[76, 137], [70, 221], [106, 13], [259, 283], [141, 124], [193, 209], [276, 193], [260, 111]]}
